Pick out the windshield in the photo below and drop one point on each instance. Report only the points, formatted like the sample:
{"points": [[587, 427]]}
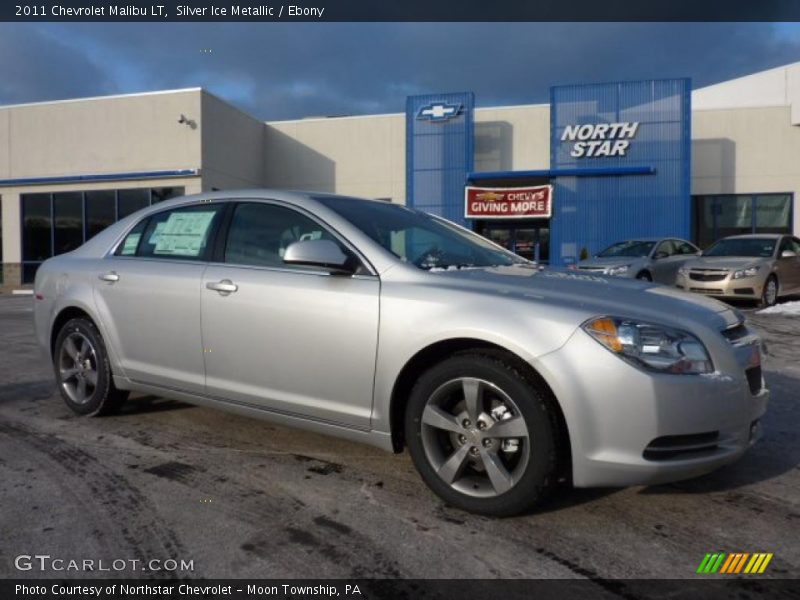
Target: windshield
{"points": [[752, 247], [629, 248], [418, 238]]}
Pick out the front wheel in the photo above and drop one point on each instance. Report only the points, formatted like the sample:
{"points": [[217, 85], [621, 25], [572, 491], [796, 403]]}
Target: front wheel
{"points": [[83, 372], [644, 276], [769, 296], [481, 435]]}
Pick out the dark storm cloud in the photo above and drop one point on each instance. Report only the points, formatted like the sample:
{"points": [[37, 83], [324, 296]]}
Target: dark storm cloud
{"points": [[292, 70], [35, 66]]}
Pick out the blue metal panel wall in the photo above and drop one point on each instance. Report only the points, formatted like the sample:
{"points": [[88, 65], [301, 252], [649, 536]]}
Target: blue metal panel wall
{"points": [[594, 212], [439, 152]]}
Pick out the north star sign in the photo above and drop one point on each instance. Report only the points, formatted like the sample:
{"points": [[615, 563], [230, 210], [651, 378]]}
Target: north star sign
{"points": [[600, 139], [439, 111], [508, 203]]}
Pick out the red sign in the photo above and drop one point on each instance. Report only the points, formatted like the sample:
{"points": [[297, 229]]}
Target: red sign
{"points": [[508, 203]]}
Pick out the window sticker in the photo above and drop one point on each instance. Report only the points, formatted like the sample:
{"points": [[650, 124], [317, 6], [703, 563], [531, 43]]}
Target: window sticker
{"points": [[156, 232], [131, 243], [184, 234]]}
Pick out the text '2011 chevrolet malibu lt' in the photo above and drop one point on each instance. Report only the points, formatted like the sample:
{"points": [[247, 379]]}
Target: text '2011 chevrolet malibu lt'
{"points": [[382, 324]]}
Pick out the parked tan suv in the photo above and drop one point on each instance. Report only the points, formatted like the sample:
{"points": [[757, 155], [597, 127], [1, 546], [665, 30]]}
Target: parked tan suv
{"points": [[759, 267]]}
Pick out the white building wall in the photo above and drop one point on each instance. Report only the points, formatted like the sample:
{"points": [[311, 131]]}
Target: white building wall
{"points": [[232, 146], [361, 156], [746, 150], [103, 135]]}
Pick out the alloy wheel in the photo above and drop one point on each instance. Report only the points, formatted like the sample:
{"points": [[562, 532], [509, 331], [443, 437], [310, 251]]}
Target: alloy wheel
{"points": [[77, 367], [475, 437]]}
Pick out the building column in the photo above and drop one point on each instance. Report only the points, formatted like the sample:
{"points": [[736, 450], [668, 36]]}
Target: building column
{"points": [[12, 244]]}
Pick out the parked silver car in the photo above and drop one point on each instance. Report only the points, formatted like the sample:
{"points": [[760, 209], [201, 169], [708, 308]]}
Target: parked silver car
{"points": [[761, 267], [650, 259], [381, 324]]}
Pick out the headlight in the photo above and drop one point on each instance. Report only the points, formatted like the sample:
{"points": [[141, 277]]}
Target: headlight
{"points": [[617, 270], [683, 271], [746, 272], [649, 346]]}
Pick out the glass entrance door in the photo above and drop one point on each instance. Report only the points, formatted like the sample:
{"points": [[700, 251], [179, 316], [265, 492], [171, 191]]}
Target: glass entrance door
{"points": [[522, 239]]}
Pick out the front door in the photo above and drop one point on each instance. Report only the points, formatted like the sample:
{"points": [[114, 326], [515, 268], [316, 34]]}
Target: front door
{"points": [[286, 338]]}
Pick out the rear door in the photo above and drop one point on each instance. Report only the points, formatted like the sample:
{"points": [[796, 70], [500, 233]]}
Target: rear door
{"points": [[290, 339], [148, 296]]}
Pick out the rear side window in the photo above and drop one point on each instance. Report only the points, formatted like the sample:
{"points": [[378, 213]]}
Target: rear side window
{"points": [[260, 233], [181, 233]]}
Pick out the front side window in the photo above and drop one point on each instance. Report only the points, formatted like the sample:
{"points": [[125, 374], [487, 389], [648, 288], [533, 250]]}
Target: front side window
{"points": [[418, 238], [260, 233], [183, 233], [685, 247], [665, 248]]}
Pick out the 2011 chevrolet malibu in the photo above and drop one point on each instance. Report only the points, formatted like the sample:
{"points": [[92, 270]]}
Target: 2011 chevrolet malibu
{"points": [[381, 324]]}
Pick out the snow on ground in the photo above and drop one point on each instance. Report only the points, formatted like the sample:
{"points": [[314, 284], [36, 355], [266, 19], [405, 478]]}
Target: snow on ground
{"points": [[787, 308]]}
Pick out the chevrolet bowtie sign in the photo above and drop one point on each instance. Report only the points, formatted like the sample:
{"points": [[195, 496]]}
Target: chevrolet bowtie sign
{"points": [[439, 111], [508, 203], [600, 140]]}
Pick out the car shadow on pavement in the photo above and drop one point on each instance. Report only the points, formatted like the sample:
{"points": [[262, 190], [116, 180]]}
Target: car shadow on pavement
{"points": [[138, 405], [775, 454]]}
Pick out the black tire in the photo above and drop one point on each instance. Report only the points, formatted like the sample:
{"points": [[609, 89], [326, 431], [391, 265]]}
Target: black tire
{"points": [[766, 302], [644, 276], [536, 481], [101, 398]]}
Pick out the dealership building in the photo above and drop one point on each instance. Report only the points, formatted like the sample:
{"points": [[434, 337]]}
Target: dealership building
{"points": [[596, 164]]}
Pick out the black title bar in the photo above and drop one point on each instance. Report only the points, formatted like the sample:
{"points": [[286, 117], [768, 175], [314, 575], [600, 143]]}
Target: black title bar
{"points": [[401, 10]]}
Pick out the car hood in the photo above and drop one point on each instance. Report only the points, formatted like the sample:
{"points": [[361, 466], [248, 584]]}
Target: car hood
{"points": [[724, 262], [593, 295]]}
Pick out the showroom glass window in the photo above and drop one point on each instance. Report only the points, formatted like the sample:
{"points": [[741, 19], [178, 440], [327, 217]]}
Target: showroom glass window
{"points": [[719, 216], [59, 222]]}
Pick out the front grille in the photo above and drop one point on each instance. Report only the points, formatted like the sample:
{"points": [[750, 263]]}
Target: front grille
{"points": [[754, 379], [744, 291], [707, 290], [708, 275], [674, 446]]}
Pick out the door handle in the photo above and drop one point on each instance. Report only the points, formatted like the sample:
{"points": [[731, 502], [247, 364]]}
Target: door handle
{"points": [[226, 286], [110, 277]]}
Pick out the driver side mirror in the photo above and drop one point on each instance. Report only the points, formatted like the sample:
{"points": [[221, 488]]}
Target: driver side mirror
{"points": [[324, 254], [660, 254], [788, 254]]}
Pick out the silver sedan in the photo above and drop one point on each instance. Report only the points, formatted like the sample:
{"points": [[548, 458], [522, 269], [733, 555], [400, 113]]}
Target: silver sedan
{"points": [[650, 259], [385, 325]]}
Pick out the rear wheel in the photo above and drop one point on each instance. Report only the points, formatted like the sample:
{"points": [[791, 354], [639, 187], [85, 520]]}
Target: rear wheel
{"points": [[83, 372], [482, 435], [769, 296]]}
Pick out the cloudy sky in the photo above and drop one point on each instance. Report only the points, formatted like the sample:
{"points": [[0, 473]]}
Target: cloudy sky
{"points": [[283, 71]]}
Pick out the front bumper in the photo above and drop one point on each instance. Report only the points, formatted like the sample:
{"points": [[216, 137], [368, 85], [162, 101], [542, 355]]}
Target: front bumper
{"points": [[746, 288], [617, 414]]}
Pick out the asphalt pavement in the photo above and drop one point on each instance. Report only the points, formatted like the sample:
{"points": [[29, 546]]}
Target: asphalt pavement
{"points": [[244, 498]]}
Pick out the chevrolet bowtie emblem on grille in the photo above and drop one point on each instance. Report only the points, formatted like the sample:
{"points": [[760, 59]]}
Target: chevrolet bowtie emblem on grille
{"points": [[439, 111], [489, 196]]}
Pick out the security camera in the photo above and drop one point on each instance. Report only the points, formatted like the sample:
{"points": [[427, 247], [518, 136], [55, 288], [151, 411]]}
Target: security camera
{"points": [[184, 120]]}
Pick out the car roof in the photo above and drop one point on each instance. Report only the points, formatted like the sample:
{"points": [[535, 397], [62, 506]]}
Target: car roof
{"points": [[755, 236]]}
